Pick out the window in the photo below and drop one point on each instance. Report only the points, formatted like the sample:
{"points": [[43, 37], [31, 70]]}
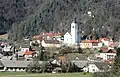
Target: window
{"points": [[1, 68], [94, 44], [11, 68], [93, 66], [110, 56]]}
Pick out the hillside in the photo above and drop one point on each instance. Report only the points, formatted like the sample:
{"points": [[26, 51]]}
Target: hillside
{"points": [[56, 15], [12, 11]]}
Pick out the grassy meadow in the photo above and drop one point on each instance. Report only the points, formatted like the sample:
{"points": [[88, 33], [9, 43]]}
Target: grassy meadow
{"points": [[23, 74]]}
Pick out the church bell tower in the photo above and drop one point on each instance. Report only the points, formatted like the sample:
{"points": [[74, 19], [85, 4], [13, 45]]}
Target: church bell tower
{"points": [[75, 32]]}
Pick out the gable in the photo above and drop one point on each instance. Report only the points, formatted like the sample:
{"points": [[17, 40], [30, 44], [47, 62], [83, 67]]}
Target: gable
{"points": [[1, 64], [101, 65], [67, 35], [79, 63]]}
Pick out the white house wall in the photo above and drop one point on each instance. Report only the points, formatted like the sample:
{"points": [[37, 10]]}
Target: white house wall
{"points": [[100, 44], [104, 56], [89, 45], [50, 45], [67, 38], [7, 48], [93, 68], [24, 49], [106, 43], [86, 45], [13, 69]]}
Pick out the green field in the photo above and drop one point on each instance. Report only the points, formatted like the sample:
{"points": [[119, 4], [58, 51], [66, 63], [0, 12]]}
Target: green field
{"points": [[22, 74]]}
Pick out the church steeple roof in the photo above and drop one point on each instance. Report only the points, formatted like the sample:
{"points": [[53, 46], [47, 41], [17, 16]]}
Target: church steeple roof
{"points": [[75, 20], [75, 16]]}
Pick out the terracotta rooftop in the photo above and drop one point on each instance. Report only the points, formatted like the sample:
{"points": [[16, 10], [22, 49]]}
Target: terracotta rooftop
{"points": [[106, 39], [47, 34], [61, 58], [105, 49], [52, 34], [37, 36], [29, 53]]}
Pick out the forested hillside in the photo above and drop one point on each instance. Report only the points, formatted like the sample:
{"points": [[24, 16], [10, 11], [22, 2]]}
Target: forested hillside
{"points": [[12, 11], [30, 17]]}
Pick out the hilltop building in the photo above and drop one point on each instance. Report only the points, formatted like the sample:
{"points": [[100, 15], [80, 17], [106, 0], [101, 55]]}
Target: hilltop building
{"points": [[72, 38]]}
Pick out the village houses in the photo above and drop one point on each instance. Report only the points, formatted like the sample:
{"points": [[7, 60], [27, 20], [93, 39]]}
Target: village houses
{"points": [[99, 63]]}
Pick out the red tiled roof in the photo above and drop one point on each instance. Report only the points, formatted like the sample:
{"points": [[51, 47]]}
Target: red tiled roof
{"points": [[40, 37], [90, 41], [28, 53], [57, 34], [105, 49], [47, 34], [37, 36], [52, 34], [106, 39], [61, 58]]}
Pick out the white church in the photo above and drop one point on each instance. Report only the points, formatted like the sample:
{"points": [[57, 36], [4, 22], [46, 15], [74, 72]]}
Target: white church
{"points": [[72, 38]]}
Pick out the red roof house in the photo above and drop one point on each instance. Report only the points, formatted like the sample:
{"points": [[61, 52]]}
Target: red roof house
{"points": [[47, 35], [105, 39], [29, 53], [90, 44], [106, 50]]}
